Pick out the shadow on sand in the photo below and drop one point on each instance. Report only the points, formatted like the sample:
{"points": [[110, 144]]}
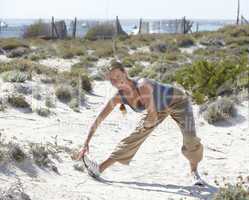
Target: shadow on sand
{"points": [[204, 193]]}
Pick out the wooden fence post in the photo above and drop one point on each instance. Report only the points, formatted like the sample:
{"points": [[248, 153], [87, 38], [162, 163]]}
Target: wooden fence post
{"points": [[74, 27], [238, 12], [52, 25]]}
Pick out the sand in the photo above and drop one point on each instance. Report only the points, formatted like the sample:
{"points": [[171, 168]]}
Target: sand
{"points": [[158, 171]]}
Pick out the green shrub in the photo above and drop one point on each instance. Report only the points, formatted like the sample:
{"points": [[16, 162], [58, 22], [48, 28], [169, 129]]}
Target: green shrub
{"points": [[220, 110], [211, 79], [128, 62], [18, 101], [15, 76], [64, 93], [135, 70], [35, 29]]}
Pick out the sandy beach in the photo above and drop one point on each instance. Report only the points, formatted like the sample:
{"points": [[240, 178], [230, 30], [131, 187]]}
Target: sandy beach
{"points": [[158, 171]]}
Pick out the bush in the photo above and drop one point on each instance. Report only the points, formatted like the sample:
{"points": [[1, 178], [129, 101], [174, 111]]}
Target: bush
{"points": [[102, 31], [238, 191], [18, 101], [15, 76], [12, 43], [40, 154], [235, 31], [211, 79], [18, 52], [64, 93], [104, 51], [35, 29], [219, 110], [185, 41], [44, 112], [16, 153], [135, 70]]}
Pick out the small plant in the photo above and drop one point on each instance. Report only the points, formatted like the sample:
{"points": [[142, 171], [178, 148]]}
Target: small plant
{"points": [[135, 70], [40, 154], [185, 41], [18, 52], [238, 191], [220, 110], [15, 76], [12, 43], [18, 101], [64, 93], [44, 112], [16, 153]]}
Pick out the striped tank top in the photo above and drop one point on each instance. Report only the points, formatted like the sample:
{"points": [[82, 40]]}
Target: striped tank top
{"points": [[162, 95]]}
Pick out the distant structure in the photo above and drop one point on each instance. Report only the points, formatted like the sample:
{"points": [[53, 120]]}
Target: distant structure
{"points": [[183, 26]]}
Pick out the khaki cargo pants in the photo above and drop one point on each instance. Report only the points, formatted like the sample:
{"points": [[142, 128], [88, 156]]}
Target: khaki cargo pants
{"points": [[180, 110]]}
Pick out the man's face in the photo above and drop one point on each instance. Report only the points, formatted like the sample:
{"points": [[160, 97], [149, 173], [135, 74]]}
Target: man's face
{"points": [[118, 78]]}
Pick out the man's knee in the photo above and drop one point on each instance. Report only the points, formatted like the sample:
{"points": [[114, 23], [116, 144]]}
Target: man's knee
{"points": [[192, 149]]}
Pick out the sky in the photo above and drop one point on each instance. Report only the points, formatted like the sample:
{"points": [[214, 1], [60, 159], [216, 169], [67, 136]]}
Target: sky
{"points": [[125, 9]]}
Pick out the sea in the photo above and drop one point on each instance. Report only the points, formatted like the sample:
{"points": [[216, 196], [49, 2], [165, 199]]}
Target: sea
{"points": [[16, 27]]}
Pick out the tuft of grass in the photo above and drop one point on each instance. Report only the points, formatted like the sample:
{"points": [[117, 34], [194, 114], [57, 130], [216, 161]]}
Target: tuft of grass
{"points": [[219, 110], [44, 112], [15, 76], [135, 70], [64, 93], [40, 154], [16, 153], [12, 43], [18, 101], [237, 191], [185, 41]]}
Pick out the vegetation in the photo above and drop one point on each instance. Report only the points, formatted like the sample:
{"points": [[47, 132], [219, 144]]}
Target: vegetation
{"points": [[34, 30], [44, 112], [18, 101], [238, 191], [211, 79], [64, 93], [220, 110], [15, 76]]}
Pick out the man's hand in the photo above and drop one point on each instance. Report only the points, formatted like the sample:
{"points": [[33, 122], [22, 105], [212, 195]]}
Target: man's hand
{"points": [[83, 150]]}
